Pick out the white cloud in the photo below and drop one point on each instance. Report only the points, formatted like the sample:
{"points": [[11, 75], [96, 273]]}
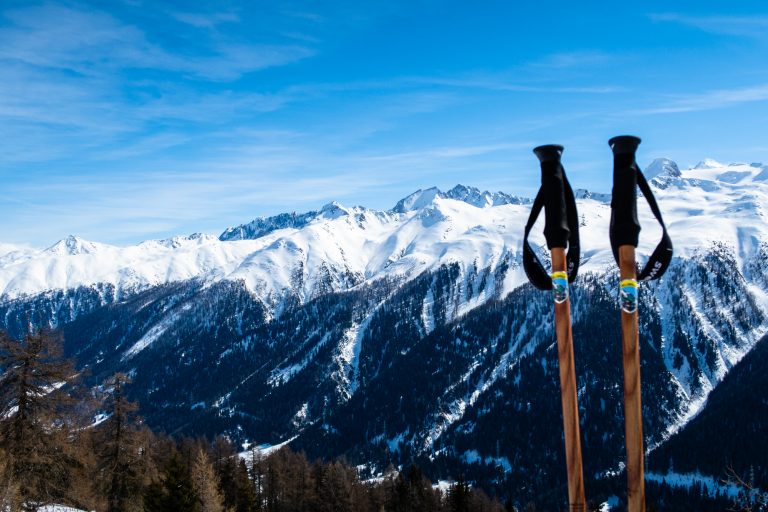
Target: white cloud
{"points": [[574, 59], [71, 85], [205, 20], [91, 42], [711, 100], [745, 26]]}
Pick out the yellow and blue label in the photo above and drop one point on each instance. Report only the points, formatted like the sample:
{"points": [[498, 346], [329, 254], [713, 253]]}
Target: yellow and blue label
{"points": [[628, 295], [560, 286]]}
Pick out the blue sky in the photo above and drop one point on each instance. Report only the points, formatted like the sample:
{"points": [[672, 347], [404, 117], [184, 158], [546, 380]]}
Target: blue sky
{"points": [[127, 120]]}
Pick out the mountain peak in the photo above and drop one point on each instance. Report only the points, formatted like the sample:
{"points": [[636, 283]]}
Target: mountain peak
{"points": [[72, 245], [708, 163], [417, 200], [333, 210], [177, 241], [471, 195], [464, 193], [662, 166]]}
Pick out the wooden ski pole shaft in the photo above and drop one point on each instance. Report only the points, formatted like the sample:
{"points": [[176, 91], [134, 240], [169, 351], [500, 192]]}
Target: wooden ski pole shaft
{"points": [[624, 234], [633, 410], [561, 230], [566, 366]]}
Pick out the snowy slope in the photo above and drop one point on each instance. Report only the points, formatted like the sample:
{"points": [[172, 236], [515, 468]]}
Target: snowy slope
{"points": [[715, 202], [338, 248]]}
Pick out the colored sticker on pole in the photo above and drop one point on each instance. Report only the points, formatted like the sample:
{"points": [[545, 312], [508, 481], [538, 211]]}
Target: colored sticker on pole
{"points": [[560, 286], [628, 295]]}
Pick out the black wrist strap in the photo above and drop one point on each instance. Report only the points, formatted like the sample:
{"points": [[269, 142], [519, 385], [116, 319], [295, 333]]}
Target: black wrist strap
{"points": [[661, 257], [537, 274]]}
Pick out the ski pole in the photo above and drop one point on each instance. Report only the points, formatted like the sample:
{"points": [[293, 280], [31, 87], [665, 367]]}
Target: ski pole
{"points": [[624, 234], [560, 231]]}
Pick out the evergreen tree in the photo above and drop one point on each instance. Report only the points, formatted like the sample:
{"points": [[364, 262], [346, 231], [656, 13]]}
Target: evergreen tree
{"points": [[38, 430], [246, 495], [175, 493], [206, 484], [459, 496], [421, 495], [334, 487], [239, 492], [124, 462]]}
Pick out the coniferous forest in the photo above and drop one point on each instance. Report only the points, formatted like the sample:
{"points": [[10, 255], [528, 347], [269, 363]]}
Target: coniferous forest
{"points": [[62, 442]]}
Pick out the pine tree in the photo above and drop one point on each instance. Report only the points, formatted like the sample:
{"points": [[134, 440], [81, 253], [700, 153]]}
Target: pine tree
{"points": [[206, 484], [239, 492], [38, 431], [458, 496], [124, 462], [334, 487], [246, 494], [256, 472], [421, 495], [175, 493]]}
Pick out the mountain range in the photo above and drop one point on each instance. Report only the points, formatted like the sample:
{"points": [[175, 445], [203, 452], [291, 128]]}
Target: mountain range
{"points": [[411, 334]]}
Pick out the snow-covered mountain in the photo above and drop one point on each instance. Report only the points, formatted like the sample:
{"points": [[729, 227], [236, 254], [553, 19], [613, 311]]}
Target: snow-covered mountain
{"points": [[337, 248], [333, 249], [306, 324]]}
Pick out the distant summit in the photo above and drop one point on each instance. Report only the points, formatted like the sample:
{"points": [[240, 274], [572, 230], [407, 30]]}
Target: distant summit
{"points": [[662, 166], [469, 195], [72, 246], [708, 163], [415, 201]]}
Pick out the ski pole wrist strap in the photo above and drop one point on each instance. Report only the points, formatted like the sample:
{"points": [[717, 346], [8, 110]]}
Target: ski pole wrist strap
{"points": [[662, 255], [534, 269]]}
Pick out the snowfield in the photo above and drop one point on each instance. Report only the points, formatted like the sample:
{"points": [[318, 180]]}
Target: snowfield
{"points": [[338, 248]]}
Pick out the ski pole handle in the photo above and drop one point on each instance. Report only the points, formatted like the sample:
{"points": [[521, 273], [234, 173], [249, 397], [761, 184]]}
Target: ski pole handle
{"points": [[625, 228], [561, 219], [556, 230]]}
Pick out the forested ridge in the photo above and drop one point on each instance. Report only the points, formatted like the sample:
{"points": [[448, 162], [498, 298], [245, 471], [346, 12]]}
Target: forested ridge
{"points": [[88, 447], [52, 451]]}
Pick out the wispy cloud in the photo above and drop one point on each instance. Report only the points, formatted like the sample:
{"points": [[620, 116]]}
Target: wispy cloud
{"points": [[213, 108], [78, 81], [711, 100], [265, 174], [406, 159], [509, 86], [744, 26], [151, 204], [205, 20], [564, 60], [483, 82], [90, 42]]}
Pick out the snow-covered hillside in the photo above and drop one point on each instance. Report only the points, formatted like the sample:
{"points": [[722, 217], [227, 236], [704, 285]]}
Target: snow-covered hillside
{"points": [[337, 248]]}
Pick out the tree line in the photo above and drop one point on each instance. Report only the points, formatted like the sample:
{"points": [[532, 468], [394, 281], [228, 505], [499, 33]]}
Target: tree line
{"points": [[87, 447], [65, 443]]}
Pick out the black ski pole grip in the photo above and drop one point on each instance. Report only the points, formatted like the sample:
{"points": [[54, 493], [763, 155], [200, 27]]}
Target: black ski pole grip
{"points": [[561, 219], [556, 230], [625, 228]]}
